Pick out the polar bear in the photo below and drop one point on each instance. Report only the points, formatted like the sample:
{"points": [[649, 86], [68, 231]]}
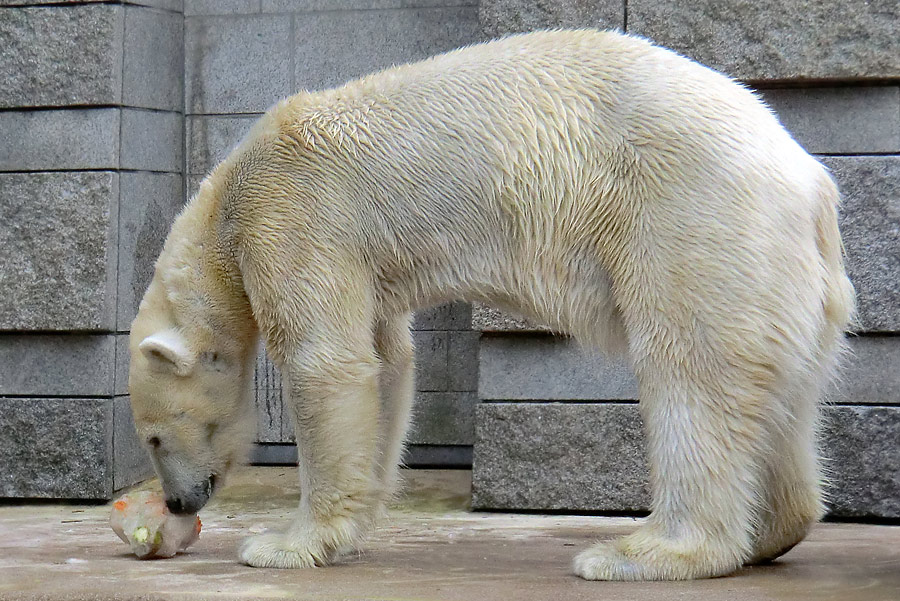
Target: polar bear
{"points": [[589, 180]]}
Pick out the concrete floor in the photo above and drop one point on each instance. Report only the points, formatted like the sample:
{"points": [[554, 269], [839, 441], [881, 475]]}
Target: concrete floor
{"points": [[430, 549]]}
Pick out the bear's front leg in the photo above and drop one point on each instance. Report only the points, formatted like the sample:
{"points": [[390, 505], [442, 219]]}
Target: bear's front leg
{"points": [[334, 399]]}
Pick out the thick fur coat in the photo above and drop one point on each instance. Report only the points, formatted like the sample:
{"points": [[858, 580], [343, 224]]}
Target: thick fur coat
{"points": [[589, 180]]}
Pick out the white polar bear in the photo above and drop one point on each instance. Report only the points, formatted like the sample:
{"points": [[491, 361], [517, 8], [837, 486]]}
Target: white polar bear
{"points": [[589, 180]]}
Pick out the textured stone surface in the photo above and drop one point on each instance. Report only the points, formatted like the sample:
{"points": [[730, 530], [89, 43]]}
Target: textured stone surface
{"points": [[850, 120], [861, 444], [449, 316], [789, 39], [131, 463], [360, 5], [154, 59], [268, 397], [559, 456], [172, 5], [59, 139], [324, 59], [462, 361], [56, 448], [431, 360], [220, 7], [57, 248], [211, 138], [871, 372], [152, 141], [499, 17], [549, 368], [443, 418], [107, 138], [870, 226], [236, 65], [56, 364], [489, 319], [589, 457], [149, 204], [123, 360], [61, 56]]}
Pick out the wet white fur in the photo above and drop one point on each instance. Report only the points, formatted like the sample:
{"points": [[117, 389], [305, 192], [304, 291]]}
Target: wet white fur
{"points": [[589, 180]]}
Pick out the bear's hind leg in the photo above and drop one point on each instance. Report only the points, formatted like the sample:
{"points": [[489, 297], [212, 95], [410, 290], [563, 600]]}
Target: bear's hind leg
{"points": [[704, 426], [792, 482]]}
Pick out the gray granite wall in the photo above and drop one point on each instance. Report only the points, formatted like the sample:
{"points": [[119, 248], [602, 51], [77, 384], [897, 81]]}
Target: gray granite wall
{"points": [[559, 428], [91, 173]]}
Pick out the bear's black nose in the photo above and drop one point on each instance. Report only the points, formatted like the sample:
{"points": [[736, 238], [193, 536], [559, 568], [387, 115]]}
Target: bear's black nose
{"points": [[175, 506]]}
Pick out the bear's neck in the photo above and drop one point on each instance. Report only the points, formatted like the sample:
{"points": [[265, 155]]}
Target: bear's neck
{"points": [[201, 277]]}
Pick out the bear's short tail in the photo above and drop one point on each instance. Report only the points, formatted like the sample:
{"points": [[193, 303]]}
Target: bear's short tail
{"points": [[839, 301]]}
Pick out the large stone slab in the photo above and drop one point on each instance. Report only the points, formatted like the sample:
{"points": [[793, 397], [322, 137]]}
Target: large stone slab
{"points": [[863, 461], [59, 139], [152, 141], [268, 397], [56, 364], [58, 250], [846, 120], [443, 418], [131, 463], [870, 374], [104, 138], [462, 361], [489, 319], [449, 316], [61, 56], [236, 65], [870, 226], [220, 7], [154, 59], [791, 39], [500, 17], [529, 368], [431, 360], [559, 456], [323, 58], [283, 6], [590, 457], [545, 368], [56, 448], [149, 204]]}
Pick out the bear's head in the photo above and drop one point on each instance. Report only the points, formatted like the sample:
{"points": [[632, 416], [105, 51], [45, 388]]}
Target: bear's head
{"points": [[192, 411], [193, 346]]}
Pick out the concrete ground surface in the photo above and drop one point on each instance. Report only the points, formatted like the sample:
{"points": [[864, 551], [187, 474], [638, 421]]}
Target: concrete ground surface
{"points": [[430, 549]]}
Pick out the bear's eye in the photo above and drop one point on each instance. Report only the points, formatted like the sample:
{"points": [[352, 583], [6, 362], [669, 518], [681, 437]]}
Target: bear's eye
{"points": [[213, 360], [211, 429], [153, 441]]}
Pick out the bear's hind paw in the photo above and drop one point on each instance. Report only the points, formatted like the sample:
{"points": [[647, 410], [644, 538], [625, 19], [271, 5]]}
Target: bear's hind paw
{"points": [[278, 551], [651, 560]]}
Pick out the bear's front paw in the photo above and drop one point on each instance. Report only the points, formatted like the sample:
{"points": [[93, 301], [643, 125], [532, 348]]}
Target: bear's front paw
{"points": [[280, 551], [641, 557]]}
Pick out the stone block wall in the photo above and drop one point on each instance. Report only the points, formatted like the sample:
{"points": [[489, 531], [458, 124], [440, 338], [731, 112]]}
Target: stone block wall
{"points": [[558, 428], [91, 175]]}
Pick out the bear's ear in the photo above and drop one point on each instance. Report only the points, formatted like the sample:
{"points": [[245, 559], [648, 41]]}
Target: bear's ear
{"points": [[170, 351]]}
